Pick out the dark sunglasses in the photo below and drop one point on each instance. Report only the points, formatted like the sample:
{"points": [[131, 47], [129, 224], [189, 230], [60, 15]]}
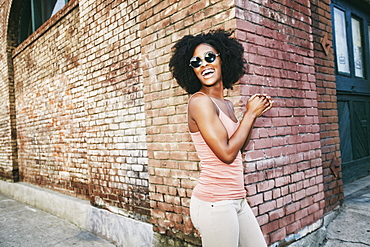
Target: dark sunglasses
{"points": [[209, 57]]}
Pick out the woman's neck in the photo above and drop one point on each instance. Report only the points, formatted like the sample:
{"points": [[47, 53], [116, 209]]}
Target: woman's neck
{"points": [[214, 92]]}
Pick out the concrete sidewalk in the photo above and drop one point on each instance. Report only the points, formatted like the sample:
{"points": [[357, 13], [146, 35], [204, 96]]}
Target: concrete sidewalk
{"points": [[351, 228], [24, 226]]}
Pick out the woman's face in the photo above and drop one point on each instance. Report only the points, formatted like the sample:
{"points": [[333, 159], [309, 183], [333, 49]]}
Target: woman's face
{"points": [[209, 73]]}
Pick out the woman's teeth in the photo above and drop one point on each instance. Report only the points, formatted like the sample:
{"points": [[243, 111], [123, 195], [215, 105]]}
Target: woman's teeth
{"points": [[207, 72]]}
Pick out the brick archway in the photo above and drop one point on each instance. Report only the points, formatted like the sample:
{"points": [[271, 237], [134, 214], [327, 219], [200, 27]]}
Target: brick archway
{"points": [[11, 42]]}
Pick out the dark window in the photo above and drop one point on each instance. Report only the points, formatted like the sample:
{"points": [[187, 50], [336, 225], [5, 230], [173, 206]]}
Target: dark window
{"points": [[351, 31], [351, 27], [34, 13]]}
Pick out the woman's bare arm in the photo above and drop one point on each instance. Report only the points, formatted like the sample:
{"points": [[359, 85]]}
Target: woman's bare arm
{"points": [[203, 112]]}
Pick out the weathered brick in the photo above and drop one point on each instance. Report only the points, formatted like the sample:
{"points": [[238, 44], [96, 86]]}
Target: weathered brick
{"points": [[102, 116], [278, 235], [276, 214], [266, 207]]}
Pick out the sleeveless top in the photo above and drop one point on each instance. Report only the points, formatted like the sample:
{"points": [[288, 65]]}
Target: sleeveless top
{"points": [[218, 180]]}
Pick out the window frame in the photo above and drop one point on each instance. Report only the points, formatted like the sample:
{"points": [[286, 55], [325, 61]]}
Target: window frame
{"points": [[348, 82], [34, 13]]}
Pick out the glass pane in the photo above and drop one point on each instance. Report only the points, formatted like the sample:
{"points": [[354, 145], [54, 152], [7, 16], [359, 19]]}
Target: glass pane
{"points": [[58, 6], [25, 25], [36, 14], [47, 9], [368, 31], [357, 47], [341, 41]]}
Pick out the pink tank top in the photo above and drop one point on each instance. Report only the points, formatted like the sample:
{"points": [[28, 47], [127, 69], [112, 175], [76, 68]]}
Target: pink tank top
{"points": [[218, 181]]}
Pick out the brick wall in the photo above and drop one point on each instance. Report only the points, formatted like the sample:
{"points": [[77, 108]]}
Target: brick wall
{"points": [[100, 117], [114, 103], [327, 102], [45, 75], [284, 173], [173, 164], [80, 106], [8, 147], [5, 151]]}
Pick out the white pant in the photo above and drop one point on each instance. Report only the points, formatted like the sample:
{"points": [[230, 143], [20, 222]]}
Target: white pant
{"points": [[228, 223]]}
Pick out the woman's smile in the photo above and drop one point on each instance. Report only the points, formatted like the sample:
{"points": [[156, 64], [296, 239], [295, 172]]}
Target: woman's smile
{"points": [[208, 71]]}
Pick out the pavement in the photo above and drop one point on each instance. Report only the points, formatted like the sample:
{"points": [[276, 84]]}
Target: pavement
{"points": [[351, 228], [24, 226]]}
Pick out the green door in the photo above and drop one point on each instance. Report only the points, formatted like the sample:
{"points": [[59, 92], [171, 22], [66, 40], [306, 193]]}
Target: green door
{"points": [[354, 119], [351, 28]]}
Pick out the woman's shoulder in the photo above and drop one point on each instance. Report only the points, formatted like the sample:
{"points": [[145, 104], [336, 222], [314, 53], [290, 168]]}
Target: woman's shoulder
{"points": [[200, 102], [199, 97]]}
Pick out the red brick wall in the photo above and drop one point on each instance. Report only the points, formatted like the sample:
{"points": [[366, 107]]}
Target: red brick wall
{"points": [[5, 130], [327, 102], [8, 158], [80, 106], [114, 104], [99, 115], [173, 164], [45, 100], [284, 173]]}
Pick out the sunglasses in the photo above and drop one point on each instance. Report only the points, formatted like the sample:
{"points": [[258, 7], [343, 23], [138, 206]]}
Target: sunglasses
{"points": [[209, 57]]}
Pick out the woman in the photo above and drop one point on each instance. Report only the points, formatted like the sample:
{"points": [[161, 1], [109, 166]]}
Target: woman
{"points": [[204, 65]]}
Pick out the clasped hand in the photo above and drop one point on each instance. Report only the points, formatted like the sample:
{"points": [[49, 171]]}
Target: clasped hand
{"points": [[259, 104]]}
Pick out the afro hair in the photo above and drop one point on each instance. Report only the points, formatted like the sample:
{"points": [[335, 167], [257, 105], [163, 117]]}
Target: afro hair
{"points": [[231, 54]]}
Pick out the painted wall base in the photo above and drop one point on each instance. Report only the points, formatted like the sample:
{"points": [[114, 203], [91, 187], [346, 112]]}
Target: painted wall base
{"points": [[117, 229], [311, 236]]}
